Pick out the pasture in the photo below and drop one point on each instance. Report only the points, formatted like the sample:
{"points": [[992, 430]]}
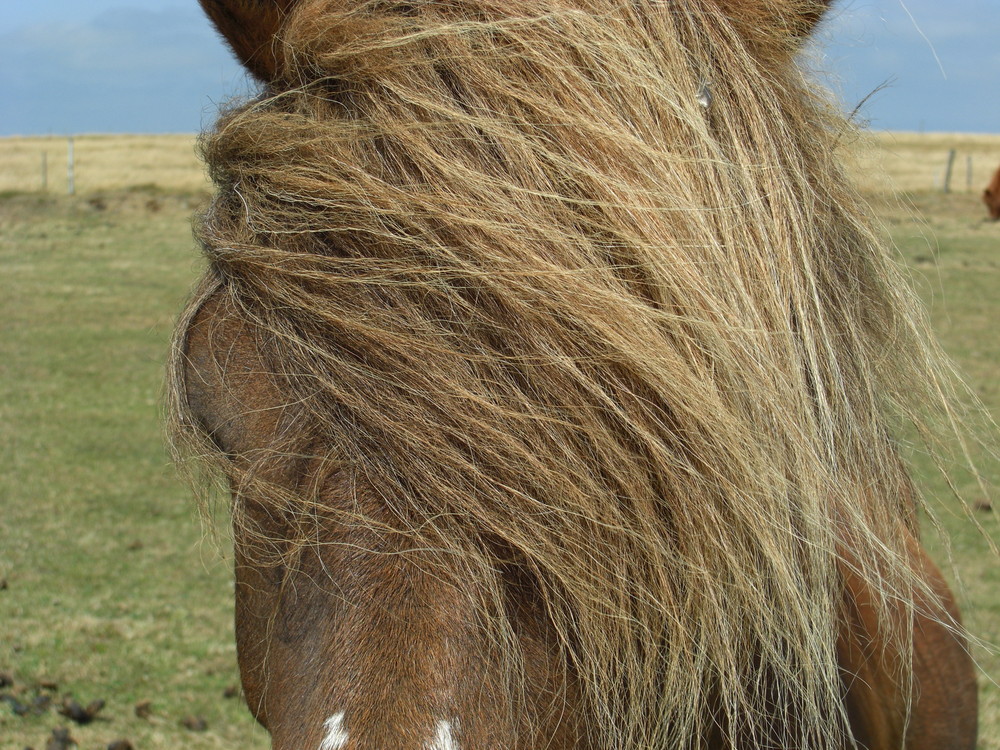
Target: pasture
{"points": [[111, 590]]}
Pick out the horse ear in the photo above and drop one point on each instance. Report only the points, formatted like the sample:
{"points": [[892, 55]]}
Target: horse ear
{"points": [[810, 13], [250, 28]]}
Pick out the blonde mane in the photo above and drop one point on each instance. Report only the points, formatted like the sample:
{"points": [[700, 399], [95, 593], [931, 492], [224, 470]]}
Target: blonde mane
{"points": [[568, 320]]}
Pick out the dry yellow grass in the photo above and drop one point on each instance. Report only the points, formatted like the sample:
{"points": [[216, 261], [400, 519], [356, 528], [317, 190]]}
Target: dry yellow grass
{"points": [[888, 162], [102, 162], [884, 162]]}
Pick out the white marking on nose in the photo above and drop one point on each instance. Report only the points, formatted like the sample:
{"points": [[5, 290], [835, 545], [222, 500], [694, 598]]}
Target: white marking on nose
{"points": [[336, 735], [443, 739]]}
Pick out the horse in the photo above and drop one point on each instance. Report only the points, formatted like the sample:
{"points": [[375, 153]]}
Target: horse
{"points": [[991, 196], [556, 374]]}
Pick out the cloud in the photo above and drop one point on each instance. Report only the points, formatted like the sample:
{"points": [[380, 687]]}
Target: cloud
{"points": [[127, 70], [141, 70]]}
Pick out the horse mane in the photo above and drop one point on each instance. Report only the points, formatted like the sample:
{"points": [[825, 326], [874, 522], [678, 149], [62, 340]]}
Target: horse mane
{"points": [[568, 321]]}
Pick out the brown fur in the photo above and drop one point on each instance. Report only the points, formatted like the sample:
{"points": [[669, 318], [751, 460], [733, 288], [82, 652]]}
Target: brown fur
{"points": [[991, 196], [250, 27], [552, 401]]}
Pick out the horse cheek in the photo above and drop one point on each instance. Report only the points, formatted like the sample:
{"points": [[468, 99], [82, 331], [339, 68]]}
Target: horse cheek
{"points": [[252, 606]]}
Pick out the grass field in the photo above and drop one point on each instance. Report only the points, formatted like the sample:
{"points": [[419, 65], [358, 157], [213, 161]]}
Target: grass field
{"points": [[111, 591]]}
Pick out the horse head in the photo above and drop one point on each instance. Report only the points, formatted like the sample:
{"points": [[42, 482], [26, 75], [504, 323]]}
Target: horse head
{"points": [[553, 366]]}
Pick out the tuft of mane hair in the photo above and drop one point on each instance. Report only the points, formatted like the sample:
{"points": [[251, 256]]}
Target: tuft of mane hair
{"points": [[570, 322]]}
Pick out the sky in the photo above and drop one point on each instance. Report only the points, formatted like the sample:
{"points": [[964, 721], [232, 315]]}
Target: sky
{"points": [[157, 66]]}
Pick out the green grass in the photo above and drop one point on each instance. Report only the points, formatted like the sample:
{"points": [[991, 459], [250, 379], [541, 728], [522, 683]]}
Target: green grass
{"points": [[955, 257], [112, 592]]}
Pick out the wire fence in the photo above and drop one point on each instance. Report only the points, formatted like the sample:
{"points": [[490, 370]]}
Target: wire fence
{"points": [[881, 163], [92, 163], [925, 162]]}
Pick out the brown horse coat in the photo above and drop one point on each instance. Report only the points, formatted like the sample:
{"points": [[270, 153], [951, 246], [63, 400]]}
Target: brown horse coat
{"points": [[991, 196]]}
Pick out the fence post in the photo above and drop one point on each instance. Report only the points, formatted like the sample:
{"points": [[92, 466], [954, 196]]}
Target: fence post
{"points": [[947, 171], [968, 174], [45, 171], [70, 186]]}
